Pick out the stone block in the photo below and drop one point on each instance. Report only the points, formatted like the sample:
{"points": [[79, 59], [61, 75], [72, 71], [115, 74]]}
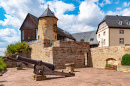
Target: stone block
{"points": [[39, 77], [69, 67]]}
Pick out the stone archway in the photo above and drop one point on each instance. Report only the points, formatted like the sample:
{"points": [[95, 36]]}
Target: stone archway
{"points": [[110, 61], [111, 64]]}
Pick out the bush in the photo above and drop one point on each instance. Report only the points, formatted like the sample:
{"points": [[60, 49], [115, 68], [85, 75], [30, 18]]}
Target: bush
{"points": [[125, 60], [3, 65], [16, 47]]}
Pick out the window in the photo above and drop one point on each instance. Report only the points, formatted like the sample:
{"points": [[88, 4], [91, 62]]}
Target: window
{"points": [[91, 39], [82, 40], [120, 22], [99, 36], [104, 41], [128, 22], [121, 40], [104, 33], [121, 31], [35, 33], [22, 34], [38, 37]]}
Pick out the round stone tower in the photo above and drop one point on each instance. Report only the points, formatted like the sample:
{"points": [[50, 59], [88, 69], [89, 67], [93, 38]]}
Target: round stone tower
{"points": [[47, 27]]}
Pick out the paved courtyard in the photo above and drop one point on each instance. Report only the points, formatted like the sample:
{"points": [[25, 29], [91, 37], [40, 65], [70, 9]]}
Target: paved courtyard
{"points": [[84, 77]]}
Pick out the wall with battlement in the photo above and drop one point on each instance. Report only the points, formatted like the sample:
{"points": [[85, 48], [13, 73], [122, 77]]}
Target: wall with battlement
{"points": [[99, 55], [70, 44], [61, 52]]}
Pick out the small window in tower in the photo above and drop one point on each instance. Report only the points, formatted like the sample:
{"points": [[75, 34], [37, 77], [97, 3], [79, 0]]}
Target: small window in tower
{"points": [[38, 37], [55, 37]]}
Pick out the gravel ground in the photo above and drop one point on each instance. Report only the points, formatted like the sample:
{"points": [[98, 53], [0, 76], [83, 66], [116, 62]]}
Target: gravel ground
{"points": [[83, 77]]}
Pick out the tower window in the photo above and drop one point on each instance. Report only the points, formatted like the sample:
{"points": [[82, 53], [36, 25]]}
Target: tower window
{"points": [[38, 37]]}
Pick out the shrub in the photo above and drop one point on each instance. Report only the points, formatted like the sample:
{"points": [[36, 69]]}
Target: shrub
{"points": [[3, 65], [16, 47], [125, 60]]}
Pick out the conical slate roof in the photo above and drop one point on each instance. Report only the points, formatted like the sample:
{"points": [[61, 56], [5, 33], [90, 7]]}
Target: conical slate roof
{"points": [[48, 12]]}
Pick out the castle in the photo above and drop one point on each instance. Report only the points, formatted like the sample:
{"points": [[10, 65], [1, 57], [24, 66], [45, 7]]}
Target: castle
{"points": [[51, 44], [54, 45]]}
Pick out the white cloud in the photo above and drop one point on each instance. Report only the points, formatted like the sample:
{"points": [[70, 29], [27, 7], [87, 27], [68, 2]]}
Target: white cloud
{"points": [[105, 2], [125, 4], [118, 8], [84, 21], [2, 50], [90, 14], [9, 35], [16, 10], [124, 12], [117, 2]]}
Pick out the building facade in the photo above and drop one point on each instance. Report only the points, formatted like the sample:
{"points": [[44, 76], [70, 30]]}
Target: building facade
{"points": [[114, 31]]}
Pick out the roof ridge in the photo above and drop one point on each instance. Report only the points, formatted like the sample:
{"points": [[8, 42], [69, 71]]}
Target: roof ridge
{"points": [[83, 32]]}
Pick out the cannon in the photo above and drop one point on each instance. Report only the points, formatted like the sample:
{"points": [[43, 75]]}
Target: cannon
{"points": [[43, 68], [18, 63]]}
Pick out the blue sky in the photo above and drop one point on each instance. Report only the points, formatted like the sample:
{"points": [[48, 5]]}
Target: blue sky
{"points": [[74, 15]]}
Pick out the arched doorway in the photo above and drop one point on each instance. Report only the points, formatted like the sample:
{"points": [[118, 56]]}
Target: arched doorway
{"points": [[110, 64]]}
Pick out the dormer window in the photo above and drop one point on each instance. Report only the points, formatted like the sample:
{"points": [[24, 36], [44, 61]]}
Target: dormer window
{"points": [[82, 40], [91, 39], [120, 22], [128, 22]]}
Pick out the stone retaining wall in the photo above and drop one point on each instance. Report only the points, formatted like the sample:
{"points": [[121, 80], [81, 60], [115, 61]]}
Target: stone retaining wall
{"points": [[99, 55], [123, 68]]}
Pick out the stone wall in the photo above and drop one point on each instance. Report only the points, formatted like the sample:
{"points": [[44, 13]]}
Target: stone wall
{"points": [[61, 52], [99, 55], [10, 63], [63, 55], [123, 68]]}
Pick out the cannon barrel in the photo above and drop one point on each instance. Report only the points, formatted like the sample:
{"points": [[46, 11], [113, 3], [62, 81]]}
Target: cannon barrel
{"points": [[13, 59], [51, 66]]}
